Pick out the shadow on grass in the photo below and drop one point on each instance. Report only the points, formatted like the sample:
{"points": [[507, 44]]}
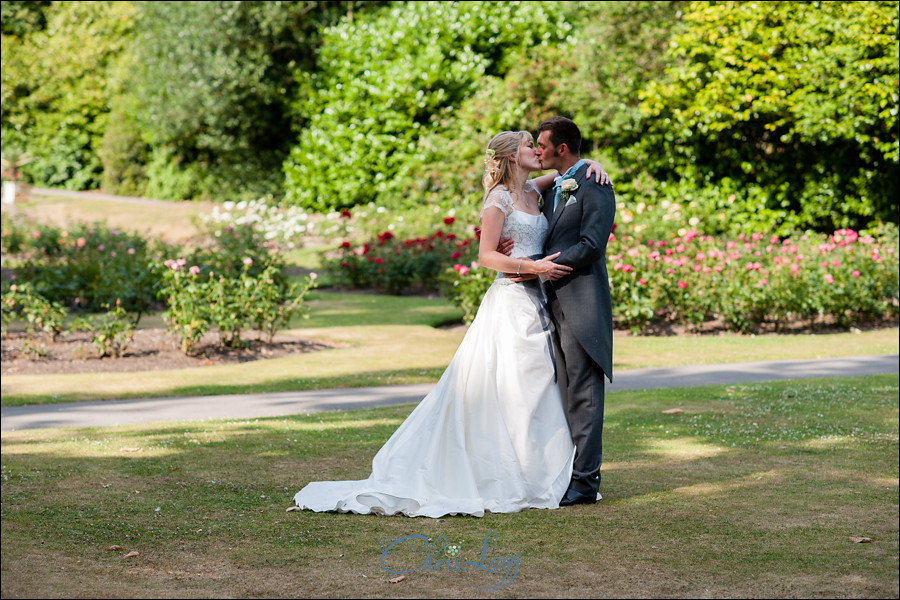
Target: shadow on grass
{"points": [[286, 384]]}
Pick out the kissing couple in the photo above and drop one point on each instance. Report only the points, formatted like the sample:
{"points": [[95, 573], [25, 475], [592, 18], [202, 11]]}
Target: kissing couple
{"points": [[516, 419]]}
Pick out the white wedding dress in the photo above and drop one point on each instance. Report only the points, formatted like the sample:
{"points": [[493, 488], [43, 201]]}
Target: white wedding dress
{"points": [[492, 435]]}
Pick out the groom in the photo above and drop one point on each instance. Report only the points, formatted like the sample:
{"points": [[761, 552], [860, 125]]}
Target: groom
{"points": [[580, 212]]}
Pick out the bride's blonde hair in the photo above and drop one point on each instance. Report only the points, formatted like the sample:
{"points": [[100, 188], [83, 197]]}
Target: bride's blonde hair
{"points": [[498, 168]]}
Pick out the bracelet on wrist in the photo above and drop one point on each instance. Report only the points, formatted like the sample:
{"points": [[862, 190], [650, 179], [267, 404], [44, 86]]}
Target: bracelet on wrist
{"points": [[519, 268]]}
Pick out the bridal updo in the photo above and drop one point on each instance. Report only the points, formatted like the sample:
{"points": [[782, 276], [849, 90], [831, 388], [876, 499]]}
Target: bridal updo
{"points": [[498, 168]]}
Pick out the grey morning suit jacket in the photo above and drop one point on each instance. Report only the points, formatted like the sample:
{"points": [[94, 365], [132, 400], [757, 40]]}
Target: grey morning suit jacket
{"points": [[580, 231]]}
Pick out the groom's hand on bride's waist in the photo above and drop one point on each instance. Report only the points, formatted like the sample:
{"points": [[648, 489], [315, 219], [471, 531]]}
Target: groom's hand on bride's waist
{"points": [[505, 246]]}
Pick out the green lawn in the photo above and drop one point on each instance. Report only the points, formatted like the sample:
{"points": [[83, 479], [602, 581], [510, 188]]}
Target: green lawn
{"points": [[753, 491]]}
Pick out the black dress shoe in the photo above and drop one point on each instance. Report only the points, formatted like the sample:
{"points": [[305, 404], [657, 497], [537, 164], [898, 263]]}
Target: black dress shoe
{"points": [[572, 497]]}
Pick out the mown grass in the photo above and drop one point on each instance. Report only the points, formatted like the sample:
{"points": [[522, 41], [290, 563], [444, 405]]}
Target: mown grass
{"points": [[753, 491]]}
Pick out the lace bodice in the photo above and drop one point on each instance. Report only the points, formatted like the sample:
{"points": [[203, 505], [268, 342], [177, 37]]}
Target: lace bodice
{"points": [[527, 231]]}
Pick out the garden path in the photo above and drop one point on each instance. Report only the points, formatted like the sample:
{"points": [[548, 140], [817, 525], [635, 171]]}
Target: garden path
{"points": [[249, 406]]}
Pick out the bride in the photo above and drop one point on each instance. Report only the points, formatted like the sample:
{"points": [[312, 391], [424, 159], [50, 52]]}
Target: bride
{"points": [[492, 435]]}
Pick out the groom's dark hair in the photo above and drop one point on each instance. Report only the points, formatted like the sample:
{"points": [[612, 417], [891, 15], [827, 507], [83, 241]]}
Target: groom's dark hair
{"points": [[563, 131]]}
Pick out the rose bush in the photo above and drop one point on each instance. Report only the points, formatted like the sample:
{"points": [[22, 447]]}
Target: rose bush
{"points": [[87, 267], [199, 299], [397, 266], [750, 282]]}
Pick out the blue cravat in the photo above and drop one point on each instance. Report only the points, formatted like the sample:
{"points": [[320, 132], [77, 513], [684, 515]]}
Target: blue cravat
{"points": [[558, 182]]}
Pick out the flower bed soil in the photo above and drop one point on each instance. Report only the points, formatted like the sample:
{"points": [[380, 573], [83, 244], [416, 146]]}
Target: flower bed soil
{"points": [[151, 350]]}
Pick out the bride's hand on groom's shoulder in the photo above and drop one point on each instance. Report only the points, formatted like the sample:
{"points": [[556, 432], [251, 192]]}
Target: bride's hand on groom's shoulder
{"points": [[595, 169]]}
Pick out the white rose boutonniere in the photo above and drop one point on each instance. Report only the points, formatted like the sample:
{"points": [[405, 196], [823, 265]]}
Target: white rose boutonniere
{"points": [[567, 186]]}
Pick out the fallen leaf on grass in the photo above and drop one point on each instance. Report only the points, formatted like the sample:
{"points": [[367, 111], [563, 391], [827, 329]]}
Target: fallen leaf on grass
{"points": [[860, 540], [673, 411], [397, 579], [292, 508], [132, 554], [126, 449], [117, 548]]}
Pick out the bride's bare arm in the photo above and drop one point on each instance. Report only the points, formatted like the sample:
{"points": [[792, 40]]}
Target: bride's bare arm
{"points": [[544, 182], [491, 226]]}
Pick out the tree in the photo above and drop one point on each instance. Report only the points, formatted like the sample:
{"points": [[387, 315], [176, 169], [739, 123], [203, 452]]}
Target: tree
{"points": [[19, 18], [213, 82], [390, 83], [55, 97], [789, 106]]}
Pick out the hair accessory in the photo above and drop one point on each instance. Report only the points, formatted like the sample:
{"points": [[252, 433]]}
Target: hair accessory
{"points": [[491, 165]]}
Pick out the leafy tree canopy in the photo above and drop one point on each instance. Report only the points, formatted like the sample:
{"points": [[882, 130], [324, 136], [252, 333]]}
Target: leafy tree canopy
{"points": [[393, 76], [794, 103]]}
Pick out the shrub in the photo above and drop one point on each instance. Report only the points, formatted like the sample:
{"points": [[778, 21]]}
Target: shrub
{"points": [[199, 299], [111, 332], [88, 267], [749, 282], [465, 284], [396, 266], [754, 280], [389, 80], [40, 314], [278, 228]]}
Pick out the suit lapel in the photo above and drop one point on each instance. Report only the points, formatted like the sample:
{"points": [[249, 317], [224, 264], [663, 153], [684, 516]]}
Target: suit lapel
{"points": [[579, 179], [547, 205]]}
